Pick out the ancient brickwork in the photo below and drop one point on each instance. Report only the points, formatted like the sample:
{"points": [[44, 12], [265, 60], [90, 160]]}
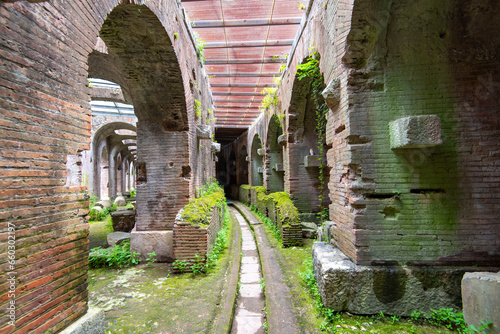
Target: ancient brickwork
{"points": [[192, 240], [45, 123]]}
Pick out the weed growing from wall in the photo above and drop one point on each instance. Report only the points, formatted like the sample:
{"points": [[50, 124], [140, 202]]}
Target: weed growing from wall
{"points": [[118, 256], [310, 69]]}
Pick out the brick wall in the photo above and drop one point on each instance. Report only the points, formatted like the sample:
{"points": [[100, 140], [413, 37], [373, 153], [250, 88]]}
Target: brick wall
{"points": [[191, 240], [45, 123]]}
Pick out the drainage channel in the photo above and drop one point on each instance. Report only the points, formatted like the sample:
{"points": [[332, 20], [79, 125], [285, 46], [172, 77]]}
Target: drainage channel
{"points": [[249, 313]]}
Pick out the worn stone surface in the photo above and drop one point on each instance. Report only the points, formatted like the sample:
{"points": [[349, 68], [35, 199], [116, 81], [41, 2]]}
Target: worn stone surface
{"points": [[203, 131], [312, 161], [392, 289], [123, 220], [160, 242], [91, 322], [481, 296], [415, 132], [116, 238], [332, 93]]}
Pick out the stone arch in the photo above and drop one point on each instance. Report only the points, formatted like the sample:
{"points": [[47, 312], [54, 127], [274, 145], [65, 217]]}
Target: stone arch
{"points": [[256, 162], [274, 156], [142, 60], [305, 160], [105, 135]]}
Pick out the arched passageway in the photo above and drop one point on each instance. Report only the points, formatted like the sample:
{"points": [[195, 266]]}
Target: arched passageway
{"points": [[274, 156], [256, 162]]}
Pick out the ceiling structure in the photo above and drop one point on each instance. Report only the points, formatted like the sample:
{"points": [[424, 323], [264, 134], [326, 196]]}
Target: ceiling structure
{"points": [[246, 43]]}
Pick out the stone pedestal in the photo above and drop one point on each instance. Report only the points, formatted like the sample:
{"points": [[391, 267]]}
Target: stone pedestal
{"points": [[160, 242], [392, 289], [481, 299]]}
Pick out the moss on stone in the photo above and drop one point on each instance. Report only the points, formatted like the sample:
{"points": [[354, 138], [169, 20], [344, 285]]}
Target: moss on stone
{"points": [[286, 210], [199, 210]]}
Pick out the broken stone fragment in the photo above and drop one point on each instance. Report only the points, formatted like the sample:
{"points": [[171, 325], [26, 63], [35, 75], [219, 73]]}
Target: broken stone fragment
{"points": [[312, 161], [332, 93], [123, 220], [415, 132], [215, 147], [120, 201], [116, 238], [105, 203], [261, 151], [203, 131], [282, 139]]}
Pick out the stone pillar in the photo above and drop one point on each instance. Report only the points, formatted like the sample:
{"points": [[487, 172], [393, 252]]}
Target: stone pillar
{"points": [[163, 175]]}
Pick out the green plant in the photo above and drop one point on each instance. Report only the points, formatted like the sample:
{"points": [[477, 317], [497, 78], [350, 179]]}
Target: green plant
{"points": [[310, 69], [302, 6], [180, 265], [262, 284], [199, 210], [200, 46], [220, 243], [198, 265], [197, 108], [151, 258], [176, 35], [118, 256], [133, 193]]}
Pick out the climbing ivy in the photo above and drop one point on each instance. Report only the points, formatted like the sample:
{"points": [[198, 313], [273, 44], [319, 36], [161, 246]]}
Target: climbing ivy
{"points": [[310, 69]]}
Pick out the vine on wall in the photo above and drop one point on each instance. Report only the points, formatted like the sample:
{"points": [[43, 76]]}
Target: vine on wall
{"points": [[310, 69]]}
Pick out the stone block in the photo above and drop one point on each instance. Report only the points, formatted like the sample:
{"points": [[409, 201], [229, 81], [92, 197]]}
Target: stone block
{"points": [[282, 139], [325, 231], [392, 289], [203, 131], [116, 238], [261, 151], [415, 132], [332, 93], [260, 170], [278, 168], [160, 242], [120, 200], [215, 147], [123, 220], [91, 323], [481, 299], [312, 161], [247, 158]]}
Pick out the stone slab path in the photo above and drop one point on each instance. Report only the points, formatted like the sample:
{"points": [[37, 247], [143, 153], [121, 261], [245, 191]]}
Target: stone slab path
{"points": [[249, 314], [281, 318]]}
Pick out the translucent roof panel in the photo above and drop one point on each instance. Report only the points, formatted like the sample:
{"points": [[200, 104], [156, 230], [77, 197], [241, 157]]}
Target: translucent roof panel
{"points": [[246, 43]]}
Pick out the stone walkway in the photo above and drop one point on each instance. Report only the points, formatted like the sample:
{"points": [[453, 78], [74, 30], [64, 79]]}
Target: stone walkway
{"points": [[249, 315], [281, 318]]}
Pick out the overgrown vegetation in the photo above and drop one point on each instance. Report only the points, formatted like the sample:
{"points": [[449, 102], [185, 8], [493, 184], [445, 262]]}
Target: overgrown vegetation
{"points": [[310, 69], [199, 210], [273, 229], [197, 108], [118, 256], [200, 46], [270, 96], [286, 210]]}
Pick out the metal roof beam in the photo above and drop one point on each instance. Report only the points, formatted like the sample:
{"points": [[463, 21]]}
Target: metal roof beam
{"points": [[247, 44], [237, 94], [244, 75], [244, 61], [243, 85], [245, 23], [239, 100]]}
